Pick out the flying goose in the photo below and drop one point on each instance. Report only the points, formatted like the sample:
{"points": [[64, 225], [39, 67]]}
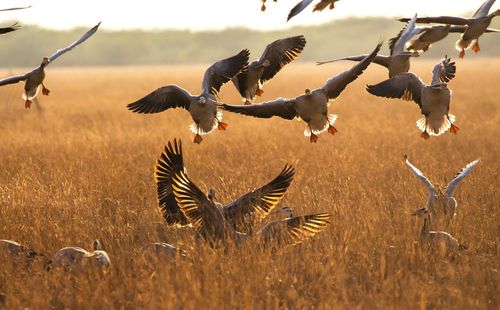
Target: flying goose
{"points": [[399, 60], [312, 107], [320, 6], [69, 257], [475, 26], [438, 240], [442, 200], [207, 218], [203, 108], [35, 78], [433, 100], [240, 214], [277, 54], [22, 253]]}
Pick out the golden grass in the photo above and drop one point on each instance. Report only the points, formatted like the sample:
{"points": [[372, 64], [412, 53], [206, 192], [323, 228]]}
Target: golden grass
{"points": [[82, 168]]}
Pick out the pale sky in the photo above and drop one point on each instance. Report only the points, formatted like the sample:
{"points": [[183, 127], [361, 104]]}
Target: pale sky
{"points": [[213, 14]]}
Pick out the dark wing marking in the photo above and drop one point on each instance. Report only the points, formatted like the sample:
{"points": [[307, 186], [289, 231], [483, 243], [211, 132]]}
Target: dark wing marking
{"points": [[335, 85], [279, 54], [84, 38], [284, 108], [167, 97], [11, 28], [222, 71], [169, 164], [406, 86]]}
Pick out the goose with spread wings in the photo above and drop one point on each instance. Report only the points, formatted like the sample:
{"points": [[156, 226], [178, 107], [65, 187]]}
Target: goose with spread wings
{"points": [[320, 6], [312, 107], [203, 108], [277, 54], [399, 59], [441, 201], [433, 100], [241, 214], [475, 26], [35, 78]]}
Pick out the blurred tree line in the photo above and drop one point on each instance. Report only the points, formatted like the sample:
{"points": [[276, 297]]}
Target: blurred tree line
{"points": [[27, 46]]}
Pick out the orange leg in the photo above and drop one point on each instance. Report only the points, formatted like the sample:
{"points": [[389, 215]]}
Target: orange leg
{"points": [[27, 104], [45, 91], [259, 92], [248, 102], [454, 129], [476, 47], [462, 54], [332, 130], [425, 135], [263, 7], [222, 126], [197, 139], [313, 138]]}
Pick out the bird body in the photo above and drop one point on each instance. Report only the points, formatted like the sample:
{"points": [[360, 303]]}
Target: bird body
{"points": [[76, 257]]}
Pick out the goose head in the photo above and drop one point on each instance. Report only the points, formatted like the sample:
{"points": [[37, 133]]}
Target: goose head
{"points": [[421, 213], [202, 100], [98, 258], [307, 92], [45, 61], [212, 194]]}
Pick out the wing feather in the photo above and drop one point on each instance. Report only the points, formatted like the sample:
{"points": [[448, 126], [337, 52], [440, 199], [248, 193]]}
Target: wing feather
{"points": [[452, 186], [280, 53], [452, 20], [84, 38], [167, 97], [284, 108], [223, 71], [299, 7], [406, 86], [421, 176], [13, 79]]}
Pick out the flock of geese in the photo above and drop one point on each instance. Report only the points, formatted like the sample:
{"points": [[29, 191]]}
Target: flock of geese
{"points": [[183, 204]]}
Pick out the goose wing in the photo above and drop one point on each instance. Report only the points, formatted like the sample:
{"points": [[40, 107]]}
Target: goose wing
{"points": [[257, 204], [294, 230], [84, 38], [284, 108], [461, 29], [421, 176], [452, 186], [167, 97], [13, 9], [397, 44], [335, 85], [169, 164], [299, 7], [13, 27], [13, 79], [406, 86], [280, 53], [444, 71], [484, 9], [223, 71], [452, 20], [379, 60]]}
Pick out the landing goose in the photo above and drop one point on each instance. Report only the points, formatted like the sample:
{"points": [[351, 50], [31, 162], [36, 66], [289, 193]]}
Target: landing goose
{"points": [[441, 201], [320, 6], [312, 106], [203, 108], [35, 78], [475, 26], [241, 214], [433, 100], [277, 54], [75, 257], [437, 240], [399, 59]]}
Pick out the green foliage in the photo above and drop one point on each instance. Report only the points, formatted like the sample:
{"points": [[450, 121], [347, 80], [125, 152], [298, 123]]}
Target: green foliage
{"points": [[26, 47]]}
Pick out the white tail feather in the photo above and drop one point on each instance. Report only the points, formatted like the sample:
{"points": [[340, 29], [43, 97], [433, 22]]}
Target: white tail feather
{"points": [[464, 44], [433, 128]]}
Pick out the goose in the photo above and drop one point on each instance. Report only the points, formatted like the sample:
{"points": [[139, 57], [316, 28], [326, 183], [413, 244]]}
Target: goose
{"points": [[207, 218], [426, 36], [399, 60], [70, 257], [475, 26], [203, 108], [433, 100], [22, 253], [441, 200], [438, 240], [320, 6], [277, 54], [241, 214], [35, 78], [312, 106]]}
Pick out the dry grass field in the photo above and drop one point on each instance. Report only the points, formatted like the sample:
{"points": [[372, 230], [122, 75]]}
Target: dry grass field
{"points": [[80, 166]]}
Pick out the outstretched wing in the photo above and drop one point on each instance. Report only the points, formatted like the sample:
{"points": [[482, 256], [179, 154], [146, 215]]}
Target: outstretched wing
{"points": [[257, 204], [284, 108], [13, 79], [299, 7], [167, 97], [84, 38], [379, 60], [169, 164], [279, 54], [222, 71], [484, 9], [421, 176], [452, 186], [13, 27], [444, 71], [335, 85], [397, 44], [406, 86], [294, 230], [13, 9], [452, 20]]}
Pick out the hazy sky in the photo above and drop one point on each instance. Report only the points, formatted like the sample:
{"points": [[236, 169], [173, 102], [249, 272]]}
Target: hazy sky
{"points": [[213, 14]]}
